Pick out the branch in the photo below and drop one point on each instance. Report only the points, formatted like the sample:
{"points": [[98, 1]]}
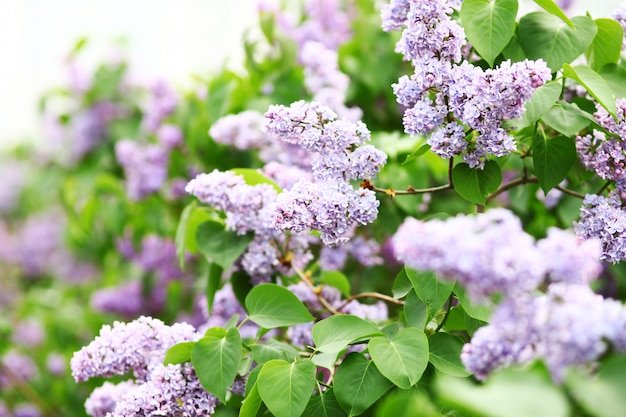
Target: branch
{"points": [[307, 280], [520, 181], [570, 192], [373, 295]]}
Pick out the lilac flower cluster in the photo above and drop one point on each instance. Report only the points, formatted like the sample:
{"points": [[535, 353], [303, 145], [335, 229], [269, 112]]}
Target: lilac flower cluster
{"points": [[225, 306], [476, 251], [365, 251], [606, 153], [242, 130], [604, 218], [145, 167], [14, 177], [250, 209], [620, 15], [162, 103], [158, 389], [158, 258], [569, 325], [328, 204], [441, 98]]}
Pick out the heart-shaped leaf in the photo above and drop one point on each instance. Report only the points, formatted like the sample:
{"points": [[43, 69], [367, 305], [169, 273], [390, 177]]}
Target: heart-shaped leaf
{"points": [[222, 246], [272, 306], [594, 84], [286, 387], [445, 354], [551, 7], [489, 25], [607, 44], [546, 37], [475, 184], [431, 290], [552, 158]]}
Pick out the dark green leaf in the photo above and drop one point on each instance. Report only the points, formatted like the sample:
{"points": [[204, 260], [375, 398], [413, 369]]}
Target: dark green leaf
{"points": [[214, 279], [607, 44], [220, 245], [286, 387], [271, 306], [552, 159], [416, 312], [273, 349], [594, 84], [402, 360], [431, 290], [475, 184], [489, 25], [543, 36], [216, 361], [179, 353], [324, 405], [358, 384], [445, 354]]}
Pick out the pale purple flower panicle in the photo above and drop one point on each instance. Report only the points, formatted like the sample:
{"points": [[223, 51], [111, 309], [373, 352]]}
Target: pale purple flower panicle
{"points": [[16, 368], [225, 306], [102, 400], [475, 251], [136, 346], [605, 219], [394, 15], [285, 175], [242, 130], [170, 136], [620, 15], [162, 103], [26, 410], [145, 167]]}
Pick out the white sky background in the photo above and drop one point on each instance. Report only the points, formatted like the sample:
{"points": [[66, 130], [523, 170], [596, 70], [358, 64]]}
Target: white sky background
{"points": [[170, 39]]}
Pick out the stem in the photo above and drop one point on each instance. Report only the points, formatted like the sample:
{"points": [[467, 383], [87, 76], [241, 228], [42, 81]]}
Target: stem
{"points": [[307, 280], [450, 166], [509, 185], [570, 192], [445, 317], [604, 187], [373, 295]]}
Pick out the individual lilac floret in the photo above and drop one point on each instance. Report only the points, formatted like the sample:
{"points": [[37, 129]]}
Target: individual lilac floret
{"points": [[103, 399], [475, 251], [604, 218], [136, 346], [580, 269], [145, 167], [332, 208]]}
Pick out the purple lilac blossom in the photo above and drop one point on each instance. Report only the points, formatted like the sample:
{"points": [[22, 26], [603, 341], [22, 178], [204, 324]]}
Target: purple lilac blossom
{"points": [[15, 367], [242, 130], [26, 410], [475, 251], [169, 136], [333, 259], [620, 15], [102, 400], [162, 103], [225, 306], [28, 333], [394, 15], [285, 175], [365, 251], [604, 218], [125, 300], [14, 177], [56, 364], [145, 167], [137, 346], [568, 326]]}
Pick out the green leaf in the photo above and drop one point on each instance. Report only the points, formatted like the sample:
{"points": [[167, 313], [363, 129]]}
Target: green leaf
{"points": [[431, 290], [216, 361], [324, 405], [272, 306], [336, 279], [214, 279], [254, 177], [401, 285], [445, 354], [614, 75], [489, 25], [358, 384], [273, 349], [542, 100], [552, 159], [222, 246], [551, 7], [407, 403], [416, 311], [565, 120], [417, 153], [402, 360], [286, 387], [607, 44], [543, 36], [508, 393], [179, 353], [601, 395], [594, 84], [477, 311], [191, 217], [475, 184], [513, 50], [335, 333], [251, 405]]}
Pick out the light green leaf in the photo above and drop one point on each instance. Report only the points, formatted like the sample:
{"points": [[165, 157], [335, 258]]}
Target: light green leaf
{"points": [[179, 353], [222, 246], [615, 75], [551, 7], [417, 153], [216, 361], [601, 395], [251, 405], [508, 393], [335, 333], [594, 84], [552, 159], [191, 217], [477, 311], [563, 118], [254, 177], [475, 184], [271, 305], [445, 354], [358, 384], [607, 44], [214, 279], [336, 279], [286, 387], [273, 349], [543, 36], [542, 100], [402, 360], [416, 312], [489, 25], [401, 285], [431, 290]]}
